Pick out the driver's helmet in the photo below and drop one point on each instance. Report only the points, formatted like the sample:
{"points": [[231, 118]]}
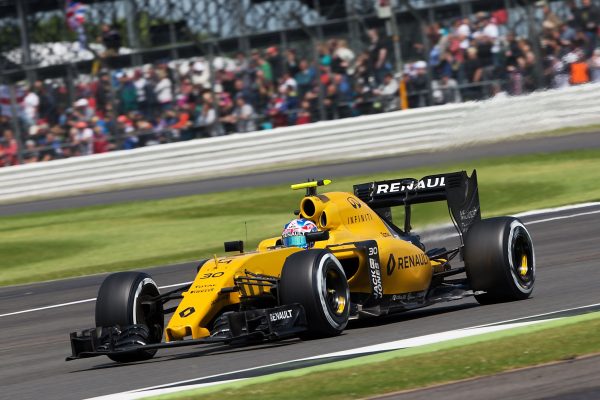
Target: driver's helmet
{"points": [[294, 231]]}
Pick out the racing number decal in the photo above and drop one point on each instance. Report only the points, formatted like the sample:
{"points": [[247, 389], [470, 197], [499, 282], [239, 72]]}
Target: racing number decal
{"points": [[374, 269], [212, 275]]}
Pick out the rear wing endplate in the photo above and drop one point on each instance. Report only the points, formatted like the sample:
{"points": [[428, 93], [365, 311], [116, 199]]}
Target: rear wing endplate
{"points": [[457, 188]]}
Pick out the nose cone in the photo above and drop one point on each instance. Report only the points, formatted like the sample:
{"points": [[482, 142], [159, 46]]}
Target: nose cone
{"points": [[178, 332]]}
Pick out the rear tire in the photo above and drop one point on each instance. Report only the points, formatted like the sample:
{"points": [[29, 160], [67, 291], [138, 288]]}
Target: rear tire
{"points": [[500, 260], [119, 303], [316, 280]]}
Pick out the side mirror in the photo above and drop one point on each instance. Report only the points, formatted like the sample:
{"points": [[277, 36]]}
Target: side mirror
{"points": [[317, 236], [236, 245]]}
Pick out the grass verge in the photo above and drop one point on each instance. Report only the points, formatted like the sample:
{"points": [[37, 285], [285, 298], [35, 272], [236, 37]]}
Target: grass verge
{"points": [[51, 245], [422, 366]]}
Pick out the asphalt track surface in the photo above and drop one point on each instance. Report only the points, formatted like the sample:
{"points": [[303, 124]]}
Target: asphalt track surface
{"points": [[33, 345], [365, 167]]}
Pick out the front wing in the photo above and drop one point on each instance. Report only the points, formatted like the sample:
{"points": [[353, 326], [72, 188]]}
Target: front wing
{"points": [[242, 327]]}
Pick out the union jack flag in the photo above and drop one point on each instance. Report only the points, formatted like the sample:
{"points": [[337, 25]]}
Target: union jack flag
{"points": [[76, 14]]}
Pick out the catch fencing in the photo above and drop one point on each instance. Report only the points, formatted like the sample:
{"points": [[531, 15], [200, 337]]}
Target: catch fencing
{"points": [[394, 133]]}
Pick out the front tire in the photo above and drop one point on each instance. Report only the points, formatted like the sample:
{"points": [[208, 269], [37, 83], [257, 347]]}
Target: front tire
{"points": [[124, 300], [316, 280], [500, 260]]}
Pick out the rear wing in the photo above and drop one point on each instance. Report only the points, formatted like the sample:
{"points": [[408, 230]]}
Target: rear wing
{"points": [[457, 188]]}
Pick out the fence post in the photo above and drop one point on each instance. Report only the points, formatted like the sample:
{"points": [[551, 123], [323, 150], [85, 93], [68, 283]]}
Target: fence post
{"points": [[132, 31], [25, 43]]}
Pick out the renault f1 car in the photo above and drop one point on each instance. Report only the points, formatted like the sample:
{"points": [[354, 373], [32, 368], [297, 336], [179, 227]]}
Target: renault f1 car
{"points": [[360, 264]]}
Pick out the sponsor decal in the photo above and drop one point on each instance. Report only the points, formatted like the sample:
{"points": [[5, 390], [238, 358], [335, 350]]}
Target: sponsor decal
{"points": [[358, 218], [376, 279], [280, 315], [202, 288], [415, 260], [187, 312], [408, 297], [391, 265], [375, 273], [374, 269], [399, 186], [469, 214], [354, 203]]}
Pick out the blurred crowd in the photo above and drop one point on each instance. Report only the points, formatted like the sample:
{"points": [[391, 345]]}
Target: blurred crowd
{"points": [[468, 59]]}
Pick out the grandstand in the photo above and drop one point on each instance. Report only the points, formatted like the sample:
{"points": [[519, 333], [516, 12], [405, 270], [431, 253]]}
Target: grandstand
{"points": [[131, 73]]}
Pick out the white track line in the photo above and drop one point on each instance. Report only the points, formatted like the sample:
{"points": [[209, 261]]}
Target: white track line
{"points": [[48, 307], [76, 302], [557, 209], [539, 221], [524, 214], [536, 315]]}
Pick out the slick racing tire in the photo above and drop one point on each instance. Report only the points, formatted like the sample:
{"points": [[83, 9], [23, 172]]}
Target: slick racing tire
{"points": [[500, 260], [316, 280], [123, 301]]}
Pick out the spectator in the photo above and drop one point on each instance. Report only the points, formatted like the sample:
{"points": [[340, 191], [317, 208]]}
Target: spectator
{"points": [[104, 94], [128, 97], [551, 20], [446, 90], [51, 148], [292, 64], [164, 91], [243, 115], [417, 86], [31, 154], [277, 111], [31, 104], [378, 56], [143, 91], [587, 18], [473, 74], [84, 138], [100, 142], [111, 39], [304, 116], [343, 57], [47, 109], [207, 119], [276, 62], [82, 110], [388, 93], [263, 65], [8, 149], [595, 66], [305, 78]]}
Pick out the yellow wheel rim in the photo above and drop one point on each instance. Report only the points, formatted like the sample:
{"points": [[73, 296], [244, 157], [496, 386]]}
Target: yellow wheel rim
{"points": [[341, 300], [523, 269]]}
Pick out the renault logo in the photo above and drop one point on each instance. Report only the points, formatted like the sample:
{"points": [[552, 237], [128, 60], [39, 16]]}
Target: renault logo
{"points": [[187, 312], [354, 203]]}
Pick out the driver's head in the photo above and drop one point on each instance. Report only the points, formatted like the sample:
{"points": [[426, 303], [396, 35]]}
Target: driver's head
{"points": [[294, 231]]}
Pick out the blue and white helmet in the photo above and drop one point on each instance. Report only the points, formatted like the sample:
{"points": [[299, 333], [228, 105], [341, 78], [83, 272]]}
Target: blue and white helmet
{"points": [[294, 231]]}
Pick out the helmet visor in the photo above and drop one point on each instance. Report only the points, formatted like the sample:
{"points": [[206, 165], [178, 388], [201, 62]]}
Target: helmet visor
{"points": [[295, 241]]}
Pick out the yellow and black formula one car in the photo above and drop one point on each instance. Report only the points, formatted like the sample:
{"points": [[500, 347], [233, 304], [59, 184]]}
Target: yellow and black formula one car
{"points": [[354, 263]]}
